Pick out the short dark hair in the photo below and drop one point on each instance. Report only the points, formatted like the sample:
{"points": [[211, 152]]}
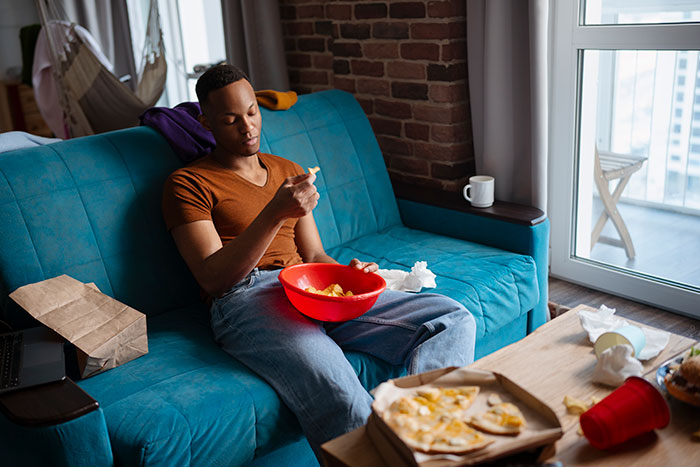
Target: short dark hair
{"points": [[217, 77]]}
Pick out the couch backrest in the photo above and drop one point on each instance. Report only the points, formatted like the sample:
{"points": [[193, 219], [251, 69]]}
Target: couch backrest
{"points": [[329, 129], [91, 207]]}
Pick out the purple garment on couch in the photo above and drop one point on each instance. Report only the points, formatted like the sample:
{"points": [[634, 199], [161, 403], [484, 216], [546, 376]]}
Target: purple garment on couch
{"points": [[180, 127]]}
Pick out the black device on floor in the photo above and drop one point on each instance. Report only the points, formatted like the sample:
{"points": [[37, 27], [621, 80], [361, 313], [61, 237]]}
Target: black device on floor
{"points": [[30, 357]]}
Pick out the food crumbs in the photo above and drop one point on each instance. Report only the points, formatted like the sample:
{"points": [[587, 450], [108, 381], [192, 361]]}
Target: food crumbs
{"points": [[574, 406]]}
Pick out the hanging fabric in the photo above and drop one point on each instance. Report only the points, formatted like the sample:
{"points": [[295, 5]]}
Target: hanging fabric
{"points": [[92, 98]]}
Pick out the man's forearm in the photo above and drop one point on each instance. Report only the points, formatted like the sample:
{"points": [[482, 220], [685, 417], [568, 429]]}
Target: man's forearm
{"points": [[237, 258], [321, 258]]}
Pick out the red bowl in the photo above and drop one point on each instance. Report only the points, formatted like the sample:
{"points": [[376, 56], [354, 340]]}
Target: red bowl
{"points": [[365, 287]]}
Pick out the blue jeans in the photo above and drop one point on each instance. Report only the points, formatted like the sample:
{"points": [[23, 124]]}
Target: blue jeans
{"points": [[303, 360]]}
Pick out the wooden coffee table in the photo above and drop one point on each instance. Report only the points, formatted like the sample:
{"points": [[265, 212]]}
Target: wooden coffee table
{"points": [[557, 360]]}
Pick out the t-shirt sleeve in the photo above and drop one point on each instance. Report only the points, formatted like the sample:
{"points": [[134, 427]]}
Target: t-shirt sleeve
{"points": [[185, 201]]}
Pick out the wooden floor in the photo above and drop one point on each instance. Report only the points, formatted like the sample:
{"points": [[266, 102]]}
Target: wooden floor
{"points": [[569, 295], [667, 243]]}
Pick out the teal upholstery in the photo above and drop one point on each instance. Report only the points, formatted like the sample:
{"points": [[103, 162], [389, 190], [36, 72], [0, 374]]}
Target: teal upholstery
{"points": [[90, 208]]}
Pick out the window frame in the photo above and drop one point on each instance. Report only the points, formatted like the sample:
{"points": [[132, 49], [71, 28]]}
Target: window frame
{"points": [[569, 39]]}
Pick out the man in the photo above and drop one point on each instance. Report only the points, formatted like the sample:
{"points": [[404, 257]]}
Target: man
{"points": [[238, 216]]}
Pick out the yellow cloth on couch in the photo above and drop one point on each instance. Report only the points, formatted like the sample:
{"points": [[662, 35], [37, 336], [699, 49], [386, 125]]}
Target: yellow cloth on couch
{"points": [[276, 100]]}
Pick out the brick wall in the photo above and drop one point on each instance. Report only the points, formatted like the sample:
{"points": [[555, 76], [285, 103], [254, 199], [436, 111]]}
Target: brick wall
{"points": [[405, 62]]}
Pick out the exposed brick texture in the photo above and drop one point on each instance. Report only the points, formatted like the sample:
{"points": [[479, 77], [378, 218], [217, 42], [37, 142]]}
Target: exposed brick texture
{"points": [[405, 62]]}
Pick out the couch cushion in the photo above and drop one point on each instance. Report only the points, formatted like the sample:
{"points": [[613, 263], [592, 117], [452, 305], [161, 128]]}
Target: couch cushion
{"points": [[91, 208], [496, 286], [188, 403]]}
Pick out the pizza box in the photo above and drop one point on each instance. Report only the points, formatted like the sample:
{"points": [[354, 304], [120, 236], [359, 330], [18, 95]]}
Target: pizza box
{"points": [[542, 427]]}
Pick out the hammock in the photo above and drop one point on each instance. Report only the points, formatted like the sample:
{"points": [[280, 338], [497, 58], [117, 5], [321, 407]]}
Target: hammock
{"points": [[93, 99]]}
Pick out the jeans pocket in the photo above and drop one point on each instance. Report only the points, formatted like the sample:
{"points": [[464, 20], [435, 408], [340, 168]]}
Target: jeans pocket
{"points": [[241, 286]]}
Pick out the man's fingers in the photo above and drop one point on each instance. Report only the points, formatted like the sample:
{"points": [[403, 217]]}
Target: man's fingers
{"points": [[366, 267], [298, 179]]}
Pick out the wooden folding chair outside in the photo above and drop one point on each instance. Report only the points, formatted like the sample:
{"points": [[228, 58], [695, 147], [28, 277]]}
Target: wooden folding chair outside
{"points": [[612, 166]]}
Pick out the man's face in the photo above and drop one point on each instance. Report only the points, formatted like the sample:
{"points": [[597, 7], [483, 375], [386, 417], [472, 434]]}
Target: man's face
{"points": [[232, 115]]}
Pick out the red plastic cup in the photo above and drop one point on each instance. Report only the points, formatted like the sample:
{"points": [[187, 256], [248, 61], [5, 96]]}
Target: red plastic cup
{"points": [[634, 408]]}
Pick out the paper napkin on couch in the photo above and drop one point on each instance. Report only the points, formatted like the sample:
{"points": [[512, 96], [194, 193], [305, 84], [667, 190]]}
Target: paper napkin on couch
{"points": [[419, 277]]}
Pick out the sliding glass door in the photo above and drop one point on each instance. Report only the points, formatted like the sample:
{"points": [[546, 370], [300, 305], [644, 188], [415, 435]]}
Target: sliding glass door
{"points": [[625, 149]]}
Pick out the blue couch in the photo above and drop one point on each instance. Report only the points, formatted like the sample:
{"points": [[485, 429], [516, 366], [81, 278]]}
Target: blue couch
{"points": [[90, 208]]}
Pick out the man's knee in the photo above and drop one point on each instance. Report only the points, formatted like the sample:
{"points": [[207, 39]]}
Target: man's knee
{"points": [[457, 312]]}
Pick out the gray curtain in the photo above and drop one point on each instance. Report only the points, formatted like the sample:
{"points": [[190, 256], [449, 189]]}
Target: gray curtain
{"points": [[254, 41], [508, 60], [108, 22]]}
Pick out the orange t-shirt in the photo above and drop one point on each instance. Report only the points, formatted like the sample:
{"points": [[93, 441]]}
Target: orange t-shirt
{"points": [[205, 190]]}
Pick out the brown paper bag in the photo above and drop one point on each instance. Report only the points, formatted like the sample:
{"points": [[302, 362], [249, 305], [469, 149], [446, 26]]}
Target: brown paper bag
{"points": [[106, 333]]}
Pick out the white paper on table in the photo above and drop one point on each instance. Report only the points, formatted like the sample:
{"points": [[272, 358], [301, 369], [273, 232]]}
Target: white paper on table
{"points": [[596, 323]]}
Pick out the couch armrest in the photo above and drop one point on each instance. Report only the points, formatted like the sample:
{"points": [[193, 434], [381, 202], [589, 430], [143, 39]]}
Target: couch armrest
{"points": [[509, 212], [508, 226], [53, 424], [48, 404]]}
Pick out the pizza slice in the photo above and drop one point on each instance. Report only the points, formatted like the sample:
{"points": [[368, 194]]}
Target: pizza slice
{"points": [[501, 419], [431, 420]]}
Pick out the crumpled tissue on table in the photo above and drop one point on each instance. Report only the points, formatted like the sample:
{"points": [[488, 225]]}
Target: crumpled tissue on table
{"points": [[596, 323], [615, 365], [419, 277]]}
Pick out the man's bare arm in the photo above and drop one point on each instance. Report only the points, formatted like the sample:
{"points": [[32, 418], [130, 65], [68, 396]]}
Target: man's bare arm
{"points": [[217, 268], [311, 248]]}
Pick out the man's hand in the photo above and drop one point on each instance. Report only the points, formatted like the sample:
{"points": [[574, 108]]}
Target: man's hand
{"points": [[366, 267], [295, 198]]}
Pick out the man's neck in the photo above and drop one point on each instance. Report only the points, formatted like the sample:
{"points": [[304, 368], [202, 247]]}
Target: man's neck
{"points": [[249, 167], [237, 163]]}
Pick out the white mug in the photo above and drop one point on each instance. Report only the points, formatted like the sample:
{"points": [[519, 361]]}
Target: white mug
{"points": [[481, 191]]}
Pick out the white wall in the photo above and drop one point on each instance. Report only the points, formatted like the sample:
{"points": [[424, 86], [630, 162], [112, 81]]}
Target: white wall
{"points": [[14, 14]]}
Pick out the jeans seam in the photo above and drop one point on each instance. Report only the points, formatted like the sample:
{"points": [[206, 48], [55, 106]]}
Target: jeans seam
{"points": [[400, 324], [416, 353]]}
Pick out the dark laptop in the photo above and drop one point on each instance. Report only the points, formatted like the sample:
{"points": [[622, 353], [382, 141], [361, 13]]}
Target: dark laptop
{"points": [[30, 357]]}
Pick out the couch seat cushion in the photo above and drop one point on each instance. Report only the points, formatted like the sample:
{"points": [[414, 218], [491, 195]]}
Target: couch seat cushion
{"points": [[496, 286], [188, 403]]}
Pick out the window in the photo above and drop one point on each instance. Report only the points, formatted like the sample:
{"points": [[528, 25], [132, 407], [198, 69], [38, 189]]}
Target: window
{"points": [[640, 12], [625, 88], [193, 34]]}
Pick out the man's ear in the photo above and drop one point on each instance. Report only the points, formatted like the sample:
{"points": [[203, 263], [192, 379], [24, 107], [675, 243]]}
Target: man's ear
{"points": [[203, 121]]}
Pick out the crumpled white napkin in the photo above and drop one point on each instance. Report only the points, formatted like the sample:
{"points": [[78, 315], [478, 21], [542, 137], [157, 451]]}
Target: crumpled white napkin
{"points": [[419, 277], [615, 365], [604, 320]]}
